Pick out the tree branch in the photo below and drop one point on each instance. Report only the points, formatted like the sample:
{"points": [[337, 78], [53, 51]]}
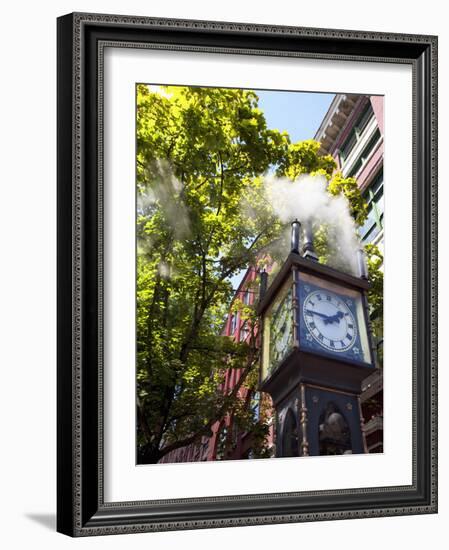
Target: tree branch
{"points": [[222, 411]]}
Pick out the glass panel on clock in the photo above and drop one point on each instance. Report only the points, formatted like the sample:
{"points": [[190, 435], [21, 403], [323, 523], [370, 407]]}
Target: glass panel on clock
{"points": [[331, 320], [278, 330]]}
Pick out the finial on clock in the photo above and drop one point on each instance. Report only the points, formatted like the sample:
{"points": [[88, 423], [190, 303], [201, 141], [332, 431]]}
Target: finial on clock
{"points": [[361, 260], [263, 283], [296, 228], [308, 250]]}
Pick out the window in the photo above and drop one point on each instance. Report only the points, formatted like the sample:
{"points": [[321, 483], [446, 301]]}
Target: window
{"points": [[233, 324], [244, 332], [246, 297], [365, 154], [255, 405], [355, 134], [374, 196]]}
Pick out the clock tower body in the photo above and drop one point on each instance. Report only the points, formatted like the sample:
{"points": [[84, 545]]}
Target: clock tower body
{"points": [[316, 351]]}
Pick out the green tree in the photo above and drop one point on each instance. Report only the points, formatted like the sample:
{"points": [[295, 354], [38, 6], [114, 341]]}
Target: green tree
{"points": [[200, 152]]}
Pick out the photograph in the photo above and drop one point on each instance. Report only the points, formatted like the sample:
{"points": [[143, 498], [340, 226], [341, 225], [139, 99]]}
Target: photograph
{"points": [[259, 273], [247, 317]]}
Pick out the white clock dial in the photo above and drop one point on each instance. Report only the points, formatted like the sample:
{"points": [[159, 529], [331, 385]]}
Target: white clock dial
{"points": [[329, 320]]}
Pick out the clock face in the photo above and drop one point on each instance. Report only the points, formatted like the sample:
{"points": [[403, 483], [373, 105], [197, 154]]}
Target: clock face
{"points": [[329, 320], [281, 325]]}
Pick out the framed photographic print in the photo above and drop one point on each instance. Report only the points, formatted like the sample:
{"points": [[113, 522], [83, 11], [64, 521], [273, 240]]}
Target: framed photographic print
{"points": [[246, 274]]}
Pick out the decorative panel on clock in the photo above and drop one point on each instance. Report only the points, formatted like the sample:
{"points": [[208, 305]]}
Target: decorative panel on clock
{"points": [[278, 335], [332, 320]]}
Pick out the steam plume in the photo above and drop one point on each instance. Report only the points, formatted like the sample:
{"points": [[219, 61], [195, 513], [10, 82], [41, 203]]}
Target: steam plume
{"points": [[307, 200], [164, 193]]}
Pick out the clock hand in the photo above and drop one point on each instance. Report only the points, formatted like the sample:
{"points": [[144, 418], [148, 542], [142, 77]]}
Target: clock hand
{"points": [[326, 317], [339, 315]]}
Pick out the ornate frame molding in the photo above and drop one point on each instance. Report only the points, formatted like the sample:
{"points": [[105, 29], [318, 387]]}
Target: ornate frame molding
{"points": [[81, 41]]}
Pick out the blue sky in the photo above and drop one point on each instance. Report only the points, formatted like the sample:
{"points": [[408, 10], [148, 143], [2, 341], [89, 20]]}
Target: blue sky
{"points": [[300, 113]]}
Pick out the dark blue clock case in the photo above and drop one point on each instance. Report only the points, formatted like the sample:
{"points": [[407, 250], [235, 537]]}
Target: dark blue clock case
{"points": [[307, 363], [354, 354]]}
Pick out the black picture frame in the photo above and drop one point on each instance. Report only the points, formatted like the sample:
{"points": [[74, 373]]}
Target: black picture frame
{"points": [[81, 510]]}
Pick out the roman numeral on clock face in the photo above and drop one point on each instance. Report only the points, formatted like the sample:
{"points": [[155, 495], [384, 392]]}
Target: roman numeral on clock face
{"points": [[329, 321]]}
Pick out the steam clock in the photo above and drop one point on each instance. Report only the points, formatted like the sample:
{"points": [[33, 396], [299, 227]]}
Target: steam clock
{"points": [[316, 350]]}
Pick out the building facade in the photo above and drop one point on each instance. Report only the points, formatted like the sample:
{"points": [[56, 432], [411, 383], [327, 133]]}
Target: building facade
{"points": [[353, 133], [227, 441]]}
